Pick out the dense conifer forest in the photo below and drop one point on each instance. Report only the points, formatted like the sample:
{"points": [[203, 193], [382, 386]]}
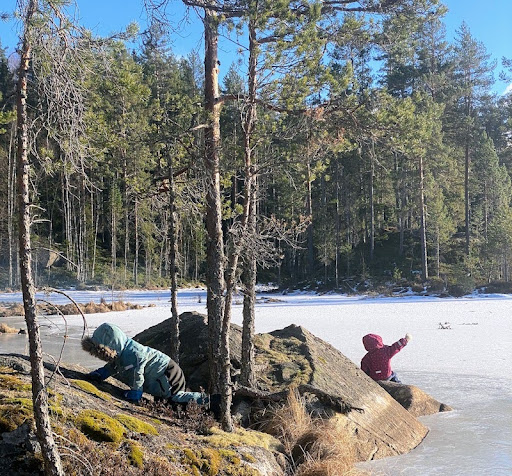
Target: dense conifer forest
{"points": [[355, 148]]}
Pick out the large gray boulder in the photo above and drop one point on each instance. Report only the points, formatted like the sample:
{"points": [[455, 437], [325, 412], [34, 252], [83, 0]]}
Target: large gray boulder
{"points": [[291, 357]]}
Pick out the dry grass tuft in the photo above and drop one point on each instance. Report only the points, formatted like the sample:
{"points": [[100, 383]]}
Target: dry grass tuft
{"points": [[5, 329], [289, 421], [11, 309], [327, 447], [315, 447]]}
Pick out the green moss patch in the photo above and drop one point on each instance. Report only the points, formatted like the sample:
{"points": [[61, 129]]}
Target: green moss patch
{"points": [[135, 455], [11, 382], [13, 412], [283, 360], [136, 425], [90, 388], [241, 437], [207, 461], [99, 426]]}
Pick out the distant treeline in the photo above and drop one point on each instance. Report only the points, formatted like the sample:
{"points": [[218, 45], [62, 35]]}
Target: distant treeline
{"points": [[379, 155]]}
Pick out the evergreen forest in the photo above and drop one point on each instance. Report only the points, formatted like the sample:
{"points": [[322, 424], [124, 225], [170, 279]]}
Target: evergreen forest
{"points": [[357, 144]]}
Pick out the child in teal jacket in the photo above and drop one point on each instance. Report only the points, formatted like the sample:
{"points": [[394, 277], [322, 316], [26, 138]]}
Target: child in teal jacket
{"points": [[142, 368]]}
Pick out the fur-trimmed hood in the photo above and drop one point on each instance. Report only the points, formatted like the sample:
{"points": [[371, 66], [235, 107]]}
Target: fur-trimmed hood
{"points": [[98, 350], [106, 343]]}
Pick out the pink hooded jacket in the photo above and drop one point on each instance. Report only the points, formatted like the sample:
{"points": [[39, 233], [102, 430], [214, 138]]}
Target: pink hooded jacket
{"points": [[377, 362]]}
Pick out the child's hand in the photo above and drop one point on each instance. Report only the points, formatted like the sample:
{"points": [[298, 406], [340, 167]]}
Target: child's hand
{"points": [[408, 337]]}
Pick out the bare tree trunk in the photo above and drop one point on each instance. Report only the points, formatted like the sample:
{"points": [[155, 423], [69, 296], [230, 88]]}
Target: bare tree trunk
{"points": [[113, 242], [372, 201], [96, 228], [467, 162], [11, 200], [423, 223], [126, 216], [218, 347], [309, 214], [175, 320], [249, 316], [51, 457], [338, 228], [136, 250], [249, 273]]}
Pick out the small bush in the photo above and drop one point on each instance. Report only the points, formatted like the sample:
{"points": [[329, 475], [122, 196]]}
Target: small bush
{"points": [[436, 285], [500, 287]]}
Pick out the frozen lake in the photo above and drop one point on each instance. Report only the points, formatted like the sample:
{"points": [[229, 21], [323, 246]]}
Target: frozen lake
{"points": [[467, 366]]}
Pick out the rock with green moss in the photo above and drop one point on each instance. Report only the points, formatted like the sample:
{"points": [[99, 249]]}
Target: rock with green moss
{"points": [[99, 426], [12, 382], [14, 412]]}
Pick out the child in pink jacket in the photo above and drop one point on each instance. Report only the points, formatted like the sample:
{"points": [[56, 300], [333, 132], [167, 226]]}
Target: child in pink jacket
{"points": [[377, 362]]}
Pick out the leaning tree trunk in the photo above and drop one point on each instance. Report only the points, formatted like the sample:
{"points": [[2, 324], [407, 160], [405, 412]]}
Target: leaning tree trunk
{"points": [[51, 457]]}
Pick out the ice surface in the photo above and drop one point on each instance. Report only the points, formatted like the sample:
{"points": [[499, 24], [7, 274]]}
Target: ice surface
{"points": [[469, 366]]}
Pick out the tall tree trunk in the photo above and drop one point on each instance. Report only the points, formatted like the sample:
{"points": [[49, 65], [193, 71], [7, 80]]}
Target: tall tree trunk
{"points": [[219, 358], [126, 215], [250, 198], [309, 231], [423, 224], [113, 241], [136, 250], [466, 197], [51, 457], [338, 227], [175, 321], [372, 201], [249, 316], [11, 200]]}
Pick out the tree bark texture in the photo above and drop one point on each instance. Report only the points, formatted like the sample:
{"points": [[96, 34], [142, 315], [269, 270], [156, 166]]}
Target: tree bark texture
{"points": [[51, 457], [218, 351], [175, 321], [423, 223]]}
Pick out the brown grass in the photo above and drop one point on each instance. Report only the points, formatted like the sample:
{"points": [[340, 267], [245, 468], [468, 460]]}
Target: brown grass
{"points": [[315, 447], [9, 310], [5, 329], [289, 421], [327, 447]]}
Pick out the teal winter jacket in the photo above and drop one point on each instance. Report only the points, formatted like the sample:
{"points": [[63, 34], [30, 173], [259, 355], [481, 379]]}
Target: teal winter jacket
{"points": [[140, 367]]}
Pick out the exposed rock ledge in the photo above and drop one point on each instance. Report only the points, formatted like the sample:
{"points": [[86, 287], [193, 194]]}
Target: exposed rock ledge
{"points": [[294, 356]]}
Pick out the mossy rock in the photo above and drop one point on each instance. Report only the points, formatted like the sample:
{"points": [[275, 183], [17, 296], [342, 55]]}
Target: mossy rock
{"points": [[11, 382], [90, 388], [14, 412], [99, 426], [241, 437], [136, 425]]}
